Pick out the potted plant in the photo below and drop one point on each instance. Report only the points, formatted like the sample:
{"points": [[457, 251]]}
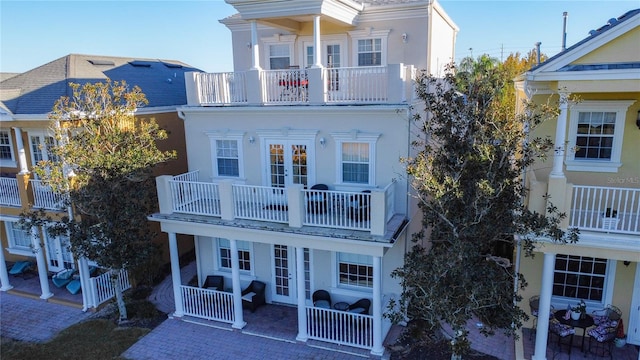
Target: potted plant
{"points": [[621, 338], [579, 311], [610, 219]]}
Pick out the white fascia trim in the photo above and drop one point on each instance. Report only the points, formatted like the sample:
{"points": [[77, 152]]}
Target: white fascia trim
{"points": [[633, 74], [590, 46], [35, 117], [443, 14], [258, 110], [157, 109]]}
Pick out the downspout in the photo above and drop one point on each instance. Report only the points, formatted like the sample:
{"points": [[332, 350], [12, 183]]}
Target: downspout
{"points": [[429, 34]]}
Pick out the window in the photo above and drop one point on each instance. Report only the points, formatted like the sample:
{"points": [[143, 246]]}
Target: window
{"points": [[6, 149], [279, 57], [355, 163], [244, 254], [595, 136], [370, 52], [307, 273], [41, 148], [355, 270], [226, 150], [580, 277], [19, 239]]}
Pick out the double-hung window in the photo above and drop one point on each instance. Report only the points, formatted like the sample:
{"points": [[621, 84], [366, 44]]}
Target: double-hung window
{"points": [[595, 135], [355, 270], [578, 278], [244, 255], [356, 158], [226, 153], [7, 157], [19, 239], [369, 47], [279, 56]]}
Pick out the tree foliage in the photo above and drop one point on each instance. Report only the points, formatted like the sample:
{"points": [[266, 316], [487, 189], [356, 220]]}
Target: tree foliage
{"points": [[103, 160], [467, 175]]}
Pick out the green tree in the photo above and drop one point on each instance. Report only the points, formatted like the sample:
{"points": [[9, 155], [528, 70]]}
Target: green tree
{"points": [[467, 175], [105, 157]]}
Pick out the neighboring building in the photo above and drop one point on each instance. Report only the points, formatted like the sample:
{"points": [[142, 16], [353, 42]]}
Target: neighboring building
{"points": [[594, 177], [295, 176], [25, 101]]}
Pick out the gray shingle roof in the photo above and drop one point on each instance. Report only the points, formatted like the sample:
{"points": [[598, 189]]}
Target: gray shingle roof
{"points": [[35, 91]]}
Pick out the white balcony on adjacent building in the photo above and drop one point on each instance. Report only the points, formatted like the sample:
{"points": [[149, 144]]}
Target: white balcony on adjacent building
{"points": [[605, 209]]}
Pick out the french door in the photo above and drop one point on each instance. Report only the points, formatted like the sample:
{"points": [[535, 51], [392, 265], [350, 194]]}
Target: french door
{"points": [[284, 274], [287, 163], [59, 255]]}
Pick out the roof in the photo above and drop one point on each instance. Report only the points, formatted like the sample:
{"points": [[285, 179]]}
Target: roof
{"points": [[35, 91], [593, 35]]}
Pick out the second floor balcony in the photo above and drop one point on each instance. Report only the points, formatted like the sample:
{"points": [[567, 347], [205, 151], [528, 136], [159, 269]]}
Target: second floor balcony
{"points": [[391, 84]]}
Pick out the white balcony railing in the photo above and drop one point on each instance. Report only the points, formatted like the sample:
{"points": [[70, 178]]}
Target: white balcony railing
{"points": [[606, 209], [221, 88], [9, 192], [285, 86], [102, 289], [353, 210], [340, 327], [357, 84], [45, 198], [207, 304]]}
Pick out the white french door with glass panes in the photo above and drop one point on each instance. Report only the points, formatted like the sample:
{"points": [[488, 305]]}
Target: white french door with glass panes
{"points": [[284, 274], [41, 145], [59, 255], [287, 162], [331, 59]]}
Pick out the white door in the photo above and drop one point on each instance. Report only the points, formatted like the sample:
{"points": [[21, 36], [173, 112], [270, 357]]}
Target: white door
{"points": [[284, 275], [633, 331], [59, 255], [287, 163]]}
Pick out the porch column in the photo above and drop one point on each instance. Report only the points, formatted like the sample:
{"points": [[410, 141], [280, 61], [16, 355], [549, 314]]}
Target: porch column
{"points": [[542, 329], [302, 308], [175, 274], [317, 50], [42, 265], [4, 275], [239, 322], [87, 291], [561, 129], [22, 157], [255, 53], [377, 349]]}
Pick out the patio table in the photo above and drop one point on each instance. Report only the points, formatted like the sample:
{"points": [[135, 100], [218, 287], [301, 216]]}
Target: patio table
{"points": [[582, 323]]}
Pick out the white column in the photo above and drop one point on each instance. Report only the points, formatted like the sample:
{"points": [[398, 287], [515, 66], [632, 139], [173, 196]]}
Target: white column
{"points": [[175, 274], [559, 145], [85, 283], [42, 264], [317, 49], [542, 329], [4, 275], [239, 322], [255, 53], [302, 309], [377, 349], [22, 157]]}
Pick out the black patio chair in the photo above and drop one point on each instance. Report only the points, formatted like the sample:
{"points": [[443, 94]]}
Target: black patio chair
{"points": [[214, 281], [322, 299], [360, 307], [359, 206], [317, 203], [253, 295]]}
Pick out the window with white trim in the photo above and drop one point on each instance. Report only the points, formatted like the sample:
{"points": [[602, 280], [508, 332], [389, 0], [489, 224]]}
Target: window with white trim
{"points": [[595, 135], [355, 270], [244, 254], [226, 153], [578, 278], [356, 157], [19, 239], [369, 47], [279, 56], [7, 157]]}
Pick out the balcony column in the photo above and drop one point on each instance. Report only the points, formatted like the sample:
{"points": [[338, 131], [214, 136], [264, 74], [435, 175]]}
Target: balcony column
{"points": [[378, 212], [377, 348], [22, 157], [561, 130], [238, 322], [225, 189], [317, 48], [540, 351], [42, 264], [300, 284], [85, 284], [255, 51], [175, 274], [295, 205], [4, 274]]}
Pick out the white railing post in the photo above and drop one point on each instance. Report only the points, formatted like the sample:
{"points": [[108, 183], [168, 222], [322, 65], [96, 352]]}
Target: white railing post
{"points": [[317, 86], [163, 187], [295, 196], [191, 88], [175, 274], [395, 83], [378, 212], [254, 87], [227, 209]]}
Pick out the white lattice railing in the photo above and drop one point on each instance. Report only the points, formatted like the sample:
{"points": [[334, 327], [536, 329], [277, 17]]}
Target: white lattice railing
{"points": [[285, 86], [45, 198], [260, 203], [102, 289], [366, 84], [193, 197], [9, 192], [221, 88], [207, 304], [337, 209], [606, 209], [340, 327]]}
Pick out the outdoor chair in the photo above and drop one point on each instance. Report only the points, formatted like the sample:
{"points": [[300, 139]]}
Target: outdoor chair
{"points": [[360, 307], [63, 277], [561, 332], [321, 299], [74, 286], [359, 206], [253, 295], [601, 336], [20, 267], [214, 282], [534, 304], [317, 202]]}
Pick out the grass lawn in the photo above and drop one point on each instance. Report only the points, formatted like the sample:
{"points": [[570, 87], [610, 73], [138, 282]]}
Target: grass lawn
{"points": [[94, 339]]}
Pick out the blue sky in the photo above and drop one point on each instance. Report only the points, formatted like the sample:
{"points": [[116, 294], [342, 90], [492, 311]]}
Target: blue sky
{"points": [[33, 33]]}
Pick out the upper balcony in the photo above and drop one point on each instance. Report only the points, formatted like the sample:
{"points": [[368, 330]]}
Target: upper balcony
{"points": [[391, 84], [34, 194]]}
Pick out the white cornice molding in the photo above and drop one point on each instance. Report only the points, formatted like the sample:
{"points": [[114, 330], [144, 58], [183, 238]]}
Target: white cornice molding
{"points": [[260, 110], [614, 74]]}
